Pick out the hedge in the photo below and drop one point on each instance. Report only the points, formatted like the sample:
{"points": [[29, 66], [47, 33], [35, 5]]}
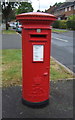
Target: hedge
{"points": [[71, 25], [64, 24], [56, 24]]}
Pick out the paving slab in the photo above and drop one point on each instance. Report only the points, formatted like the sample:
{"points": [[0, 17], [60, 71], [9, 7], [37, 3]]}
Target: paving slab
{"points": [[60, 103]]}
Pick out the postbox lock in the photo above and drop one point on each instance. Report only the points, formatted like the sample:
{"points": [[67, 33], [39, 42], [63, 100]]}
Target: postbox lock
{"points": [[38, 30], [45, 74]]}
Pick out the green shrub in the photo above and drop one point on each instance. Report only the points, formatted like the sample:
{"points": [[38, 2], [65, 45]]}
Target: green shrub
{"points": [[63, 24], [71, 24], [60, 24], [56, 24], [71, 17]]}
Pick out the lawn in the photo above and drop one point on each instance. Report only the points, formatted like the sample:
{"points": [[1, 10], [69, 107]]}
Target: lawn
{"points": [[12, 68], [9, 32], [58, 30]]}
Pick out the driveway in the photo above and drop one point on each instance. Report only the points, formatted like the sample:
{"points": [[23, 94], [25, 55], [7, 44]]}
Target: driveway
{"points": [[60, 106]]}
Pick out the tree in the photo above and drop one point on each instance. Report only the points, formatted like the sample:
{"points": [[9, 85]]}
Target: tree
{"points": [[72, 17], [24, 7], [58, 4], [38, 11], [71, 22], [7, 10]]}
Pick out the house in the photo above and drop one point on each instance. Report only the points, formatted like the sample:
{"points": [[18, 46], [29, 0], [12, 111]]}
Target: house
{"points": [[52, 9], [63, 11], [70, 0]]}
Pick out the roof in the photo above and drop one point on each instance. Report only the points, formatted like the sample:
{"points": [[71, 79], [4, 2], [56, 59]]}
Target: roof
{"points": [[66, 4], [53, 9]]}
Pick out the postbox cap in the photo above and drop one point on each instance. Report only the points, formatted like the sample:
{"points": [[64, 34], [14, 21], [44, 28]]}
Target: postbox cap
{"points": [[36, 15]]}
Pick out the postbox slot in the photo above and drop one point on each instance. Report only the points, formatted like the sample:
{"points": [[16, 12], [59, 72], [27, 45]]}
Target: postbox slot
{"points": [[38, 36]]}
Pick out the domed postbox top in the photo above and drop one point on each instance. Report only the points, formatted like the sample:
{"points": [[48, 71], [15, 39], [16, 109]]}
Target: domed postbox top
{"points": [[36, 20], [36, 16]]}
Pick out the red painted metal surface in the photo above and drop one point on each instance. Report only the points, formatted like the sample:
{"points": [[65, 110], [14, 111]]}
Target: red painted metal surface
{"points": [[36, 72]]}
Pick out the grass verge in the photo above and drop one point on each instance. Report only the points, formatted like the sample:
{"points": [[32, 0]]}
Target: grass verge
{"points": [[8, 32], [58, 72], [58, 30], [12, 68], [0, 67]]}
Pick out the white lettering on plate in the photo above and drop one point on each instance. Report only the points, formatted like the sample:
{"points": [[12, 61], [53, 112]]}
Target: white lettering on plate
{"points": [[38, 51]]}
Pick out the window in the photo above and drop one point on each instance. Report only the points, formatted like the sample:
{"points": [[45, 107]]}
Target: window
{"points": [[69, 8], [65, 9], [59, 18]]}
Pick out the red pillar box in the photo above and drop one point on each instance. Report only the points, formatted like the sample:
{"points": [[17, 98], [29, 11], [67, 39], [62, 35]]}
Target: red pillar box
{"points": [[36, 44]]}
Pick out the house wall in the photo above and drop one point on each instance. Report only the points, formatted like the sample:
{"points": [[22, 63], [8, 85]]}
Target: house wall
{"points": [[69, 0], [65, 12]]}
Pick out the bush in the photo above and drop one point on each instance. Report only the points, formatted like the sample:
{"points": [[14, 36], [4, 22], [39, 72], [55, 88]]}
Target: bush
{"points": [[72, 18], [56, 24], [71, 24], [64, 24], [60, 24]]}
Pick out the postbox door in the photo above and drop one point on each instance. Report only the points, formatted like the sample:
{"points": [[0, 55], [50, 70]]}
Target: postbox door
{"points": [[40, 66]]}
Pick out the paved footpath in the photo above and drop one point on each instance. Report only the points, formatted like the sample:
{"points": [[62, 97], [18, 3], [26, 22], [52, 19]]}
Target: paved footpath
{"points": [[60, 106]]}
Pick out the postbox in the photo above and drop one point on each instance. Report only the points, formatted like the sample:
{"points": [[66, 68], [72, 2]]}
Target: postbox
{"points": [[36, 47]]}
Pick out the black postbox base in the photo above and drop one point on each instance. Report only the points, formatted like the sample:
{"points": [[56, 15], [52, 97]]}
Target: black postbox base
{"points": [[35, 104]]}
